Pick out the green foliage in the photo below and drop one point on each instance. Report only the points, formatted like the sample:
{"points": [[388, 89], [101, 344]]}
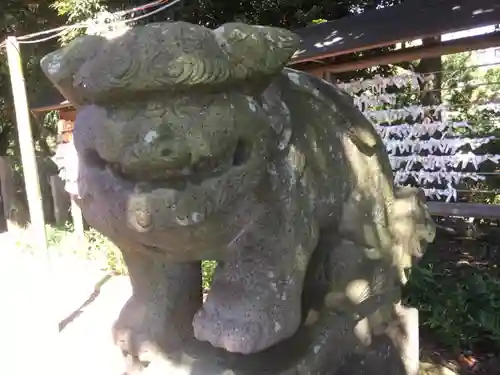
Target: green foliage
{"points": [[99, 246], [466, 87], [207, 272], [76, 11], [20, 18], [284, 13], [458, 299]]}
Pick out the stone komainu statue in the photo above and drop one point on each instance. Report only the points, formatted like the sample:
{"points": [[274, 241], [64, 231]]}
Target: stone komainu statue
{"points": [[197, 144]]}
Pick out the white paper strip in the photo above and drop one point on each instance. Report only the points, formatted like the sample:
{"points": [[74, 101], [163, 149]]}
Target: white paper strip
{"points": [[432, 162], [367, 100], [420, 129], [379, 84], [438, 177], [444, 146], [413, 112], [449, 194], [405, 139]]}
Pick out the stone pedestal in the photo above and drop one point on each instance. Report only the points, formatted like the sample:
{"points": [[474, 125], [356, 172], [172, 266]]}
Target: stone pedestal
{"points": [[334, 344]]}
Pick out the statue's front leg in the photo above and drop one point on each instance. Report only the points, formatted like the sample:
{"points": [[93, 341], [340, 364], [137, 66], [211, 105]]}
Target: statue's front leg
{"points": [[158, 315], [255, 297]]}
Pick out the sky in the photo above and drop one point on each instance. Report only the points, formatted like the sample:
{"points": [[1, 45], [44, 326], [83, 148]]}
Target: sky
{"points": [[467, 33]]}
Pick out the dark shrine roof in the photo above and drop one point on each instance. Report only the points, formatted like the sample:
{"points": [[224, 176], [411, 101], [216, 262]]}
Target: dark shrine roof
{"points": [[413, 19]]}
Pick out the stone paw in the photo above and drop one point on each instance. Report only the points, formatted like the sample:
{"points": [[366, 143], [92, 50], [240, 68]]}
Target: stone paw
{"points": [[234, 336], [139, 331], [245, 333]]}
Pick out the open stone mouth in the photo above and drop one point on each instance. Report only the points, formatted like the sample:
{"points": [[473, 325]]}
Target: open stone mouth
{"points": [[159, 176]]}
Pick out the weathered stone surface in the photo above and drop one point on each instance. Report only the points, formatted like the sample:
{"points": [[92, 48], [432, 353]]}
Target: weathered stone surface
{"points": [[194, 144]]}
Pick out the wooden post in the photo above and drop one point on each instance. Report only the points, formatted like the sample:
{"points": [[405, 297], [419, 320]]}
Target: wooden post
{"points": [[33, 192], [26, 141], [76, 213], [8, 191], [61, 200]]}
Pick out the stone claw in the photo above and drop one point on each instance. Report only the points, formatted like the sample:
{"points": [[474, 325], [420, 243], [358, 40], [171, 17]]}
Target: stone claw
{"points": [[138, 332]]}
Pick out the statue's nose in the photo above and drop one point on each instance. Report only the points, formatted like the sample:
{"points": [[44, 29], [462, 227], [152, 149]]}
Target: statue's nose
{"points": [[166, 151], [162, 147], [190, 152], [181, 152], [175, 154]]}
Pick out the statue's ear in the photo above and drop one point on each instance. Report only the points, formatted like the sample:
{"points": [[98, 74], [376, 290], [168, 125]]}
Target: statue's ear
{"points": [[60, 66], [256, 50]]}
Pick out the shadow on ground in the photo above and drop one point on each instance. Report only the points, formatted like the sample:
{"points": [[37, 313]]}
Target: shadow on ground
{"points": [[92, 297]]}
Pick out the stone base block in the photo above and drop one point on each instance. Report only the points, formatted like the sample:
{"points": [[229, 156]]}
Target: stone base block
{"points": [[326, 344]]}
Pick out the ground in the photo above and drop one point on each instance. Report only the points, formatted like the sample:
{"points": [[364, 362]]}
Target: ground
{"points": [[31, 316], [85, 302]]}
